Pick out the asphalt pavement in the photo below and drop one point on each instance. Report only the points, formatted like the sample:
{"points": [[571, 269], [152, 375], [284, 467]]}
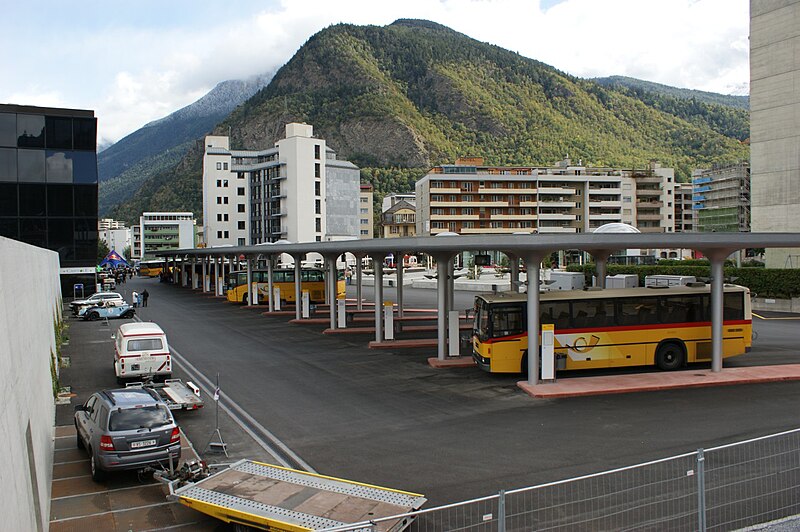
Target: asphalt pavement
{"points": [[387, 418]]}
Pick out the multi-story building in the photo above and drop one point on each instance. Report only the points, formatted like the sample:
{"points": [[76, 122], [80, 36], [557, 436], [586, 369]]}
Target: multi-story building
{"points": [[722, 198], [162, 231], [394, 197], [365, 211], [48, 181], [399, 220], [684, 208], [297, 191], [472, 198], [109, 223], [775, 122]]}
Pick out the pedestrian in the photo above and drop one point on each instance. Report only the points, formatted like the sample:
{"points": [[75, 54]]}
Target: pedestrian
{"points": [[145, 295], [348, 276], [135, 298]]}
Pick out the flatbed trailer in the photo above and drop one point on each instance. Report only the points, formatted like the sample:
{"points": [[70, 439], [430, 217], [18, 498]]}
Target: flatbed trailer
{"points": [[175, 393], [274, 498]]}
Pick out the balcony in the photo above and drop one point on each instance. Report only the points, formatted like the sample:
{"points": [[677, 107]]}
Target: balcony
{"points": [[610, 217], [648, 179], [564, 204], [561, 217], [513, 217], [489, 230], [446, 190], [556, 190], [649, 204], [605, 203], [648, 217], [648, 191], [469, 204], [453, 217]]}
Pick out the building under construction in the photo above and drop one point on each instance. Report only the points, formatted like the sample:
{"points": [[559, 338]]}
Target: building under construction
{"points": [[722, 198]]}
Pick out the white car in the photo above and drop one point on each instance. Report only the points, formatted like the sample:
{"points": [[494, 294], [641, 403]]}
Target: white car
{"points": [[141, 351], [79, 304]]}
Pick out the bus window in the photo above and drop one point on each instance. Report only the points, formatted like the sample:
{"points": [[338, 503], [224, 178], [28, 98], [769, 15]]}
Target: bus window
{"points": [[637, 311], [557, 313], [593, 313], [507, 320], [241, 279], [313, 276], [733, 306], [481, 325]]}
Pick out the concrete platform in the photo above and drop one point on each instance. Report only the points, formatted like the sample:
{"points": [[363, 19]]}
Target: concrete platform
{"points": [[452, 362], [404, 344], [657, 381]]}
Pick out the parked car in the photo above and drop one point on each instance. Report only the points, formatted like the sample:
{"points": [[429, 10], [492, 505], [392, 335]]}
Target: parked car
{"points": [[128, 428], [107, 309], [141, 350], [78, 304]]}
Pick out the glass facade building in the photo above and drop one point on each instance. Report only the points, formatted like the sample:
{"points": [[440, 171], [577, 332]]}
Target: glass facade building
{"points": [[48, 180]]}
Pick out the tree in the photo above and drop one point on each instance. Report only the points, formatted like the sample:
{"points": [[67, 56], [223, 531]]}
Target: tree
{"points": [[126, 253], [102, 250]]}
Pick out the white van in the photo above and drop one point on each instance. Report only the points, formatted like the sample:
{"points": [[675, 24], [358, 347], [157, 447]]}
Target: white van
{"points": [[141, 350]]}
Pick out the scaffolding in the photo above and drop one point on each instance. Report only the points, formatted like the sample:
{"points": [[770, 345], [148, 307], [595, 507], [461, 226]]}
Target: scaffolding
{"points": [[722, 198]]}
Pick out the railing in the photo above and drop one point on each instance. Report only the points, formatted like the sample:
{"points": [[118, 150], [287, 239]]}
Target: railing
{"points": [[722, 488]]}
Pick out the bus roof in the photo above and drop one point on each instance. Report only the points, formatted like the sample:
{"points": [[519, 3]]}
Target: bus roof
{"points": [[559, 295]]}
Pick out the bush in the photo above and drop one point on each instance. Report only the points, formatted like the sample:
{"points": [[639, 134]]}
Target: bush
{"points": [[764, 282]]}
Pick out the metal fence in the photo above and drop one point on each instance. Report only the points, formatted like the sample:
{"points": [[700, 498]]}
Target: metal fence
{"points": [[722, 488]]}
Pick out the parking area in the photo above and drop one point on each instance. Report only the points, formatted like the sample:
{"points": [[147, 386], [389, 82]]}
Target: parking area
{"points": [[386, 417]]}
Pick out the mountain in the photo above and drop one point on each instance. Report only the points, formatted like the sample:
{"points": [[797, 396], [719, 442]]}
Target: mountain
{"points": [[741, 102], [400, 98], [160, 145]]}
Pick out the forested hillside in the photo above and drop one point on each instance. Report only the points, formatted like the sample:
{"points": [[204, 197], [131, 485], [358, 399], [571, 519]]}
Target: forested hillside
{"points": [[415, 94]]}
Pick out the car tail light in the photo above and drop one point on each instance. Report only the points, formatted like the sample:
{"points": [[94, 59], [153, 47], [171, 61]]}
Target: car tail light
{"points": [[175, 437], [106, 443]]}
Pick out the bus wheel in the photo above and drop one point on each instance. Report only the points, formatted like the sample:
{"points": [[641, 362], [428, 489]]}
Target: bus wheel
{"points": [[244, 299], [669, 356]]}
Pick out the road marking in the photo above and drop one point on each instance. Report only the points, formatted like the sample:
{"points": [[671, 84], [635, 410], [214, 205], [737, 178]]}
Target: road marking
{"points": [[275, 446], [765, 318], [112, 512], [92, 493]]}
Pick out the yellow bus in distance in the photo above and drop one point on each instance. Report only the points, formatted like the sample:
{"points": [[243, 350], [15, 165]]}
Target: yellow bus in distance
{"points": [[151, 268], [663, 327], [313, 280]]}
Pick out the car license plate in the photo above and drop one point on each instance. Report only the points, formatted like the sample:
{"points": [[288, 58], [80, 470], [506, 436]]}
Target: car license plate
{"points": [[135, 367], [143, 443]]}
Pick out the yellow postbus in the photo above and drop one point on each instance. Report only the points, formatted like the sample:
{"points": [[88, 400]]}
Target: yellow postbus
{"points": [[665, 327], [151, 268], [313, 280]]}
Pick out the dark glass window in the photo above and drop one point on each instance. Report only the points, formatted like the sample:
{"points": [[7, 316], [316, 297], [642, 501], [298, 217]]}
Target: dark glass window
{"points": [[316, 170], [30, 131], [59, 238], [58, 132], [316, 151], [85, 238], [85, 200], [33, 231], [637, 311], [8, 199], [84, 166], [8, 164], [30, 166], [9, 227], [32, 199], [507, 320], [59, 166], [317, 188], [59, 201], [85, 133], [8, 130]]}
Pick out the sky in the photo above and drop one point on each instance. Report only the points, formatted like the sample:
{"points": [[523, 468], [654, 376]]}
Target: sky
{"points": [[134, 62]]}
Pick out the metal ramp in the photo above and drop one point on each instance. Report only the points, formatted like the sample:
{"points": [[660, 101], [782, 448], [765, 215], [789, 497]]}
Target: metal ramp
{"points": [[277, 498]]}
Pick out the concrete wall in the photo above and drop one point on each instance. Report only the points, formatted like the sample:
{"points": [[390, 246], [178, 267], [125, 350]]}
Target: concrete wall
{"points": [[775, 121], [30, 301]]}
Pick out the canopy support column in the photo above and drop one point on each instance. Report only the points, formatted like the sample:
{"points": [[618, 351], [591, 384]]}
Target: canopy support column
{"points": [[399, 277], [298, 272], [333, 288], [532, 262], [378, 265], [249, 290]]}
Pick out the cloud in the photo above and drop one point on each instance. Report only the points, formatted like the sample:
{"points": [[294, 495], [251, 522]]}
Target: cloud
{"points": [[132, 72]]}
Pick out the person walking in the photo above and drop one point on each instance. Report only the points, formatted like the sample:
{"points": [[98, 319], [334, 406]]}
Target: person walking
{"points": [[135, 298], [145, 295]]}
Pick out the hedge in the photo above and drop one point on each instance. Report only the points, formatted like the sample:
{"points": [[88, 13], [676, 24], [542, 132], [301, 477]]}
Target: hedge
{"points": [[765, 282]]}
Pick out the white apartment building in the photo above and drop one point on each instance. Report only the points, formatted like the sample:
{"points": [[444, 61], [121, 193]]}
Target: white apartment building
{"points": [[395, 197], [110, 223], [366, 212], [296, 191], [162, 231], [116, 239], [472, 198]]}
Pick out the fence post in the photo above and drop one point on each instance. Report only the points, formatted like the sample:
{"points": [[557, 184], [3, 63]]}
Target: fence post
{"points": [[501, 511], [701, 491]]}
